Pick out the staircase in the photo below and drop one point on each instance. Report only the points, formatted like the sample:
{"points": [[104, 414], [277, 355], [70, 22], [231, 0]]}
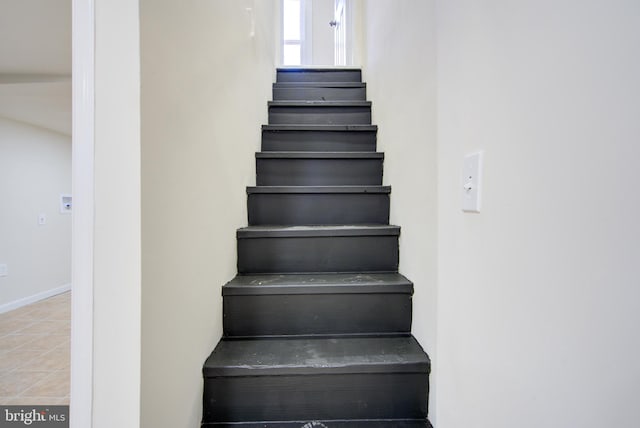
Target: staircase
{"points": [[317, 323]]}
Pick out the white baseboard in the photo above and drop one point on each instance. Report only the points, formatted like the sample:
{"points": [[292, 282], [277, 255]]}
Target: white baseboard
{"points": [[34, 298]]}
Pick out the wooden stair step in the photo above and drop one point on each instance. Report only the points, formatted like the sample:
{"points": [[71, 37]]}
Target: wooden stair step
{"points": [[316, 138], [320, 112], [318, 205], [319, 168], [310, 74], [322, 91], [315, 379], [312, 249], [317, 304]]}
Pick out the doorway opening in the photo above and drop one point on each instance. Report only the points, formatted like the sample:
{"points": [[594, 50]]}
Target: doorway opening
{"points": [[316, 33]]}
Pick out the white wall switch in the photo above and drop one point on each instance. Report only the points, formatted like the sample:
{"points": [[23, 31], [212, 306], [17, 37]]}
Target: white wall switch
{"points": [[3, 270], [472, 182], [42, 219]]}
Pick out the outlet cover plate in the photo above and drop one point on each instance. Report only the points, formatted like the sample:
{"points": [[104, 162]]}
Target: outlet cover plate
{"points": [[472, 182]]}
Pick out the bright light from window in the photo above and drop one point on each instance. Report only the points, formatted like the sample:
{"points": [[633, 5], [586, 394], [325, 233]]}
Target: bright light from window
{"points": [[291, 19], [291, 32], [291, 55]]}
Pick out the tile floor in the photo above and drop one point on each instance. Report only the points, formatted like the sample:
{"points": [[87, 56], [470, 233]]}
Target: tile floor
{"points": [[34, 353]]}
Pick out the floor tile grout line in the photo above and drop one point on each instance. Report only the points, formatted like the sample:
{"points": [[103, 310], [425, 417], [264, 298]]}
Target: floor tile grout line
{"points": [[53, 315]]}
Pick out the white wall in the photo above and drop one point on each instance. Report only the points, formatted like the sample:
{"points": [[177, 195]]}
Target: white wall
{"points": [[116, 268], [539, 297], [35, 168], [399, 68], [205, 86]]}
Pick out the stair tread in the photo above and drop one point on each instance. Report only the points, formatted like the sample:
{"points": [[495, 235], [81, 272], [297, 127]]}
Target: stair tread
{"points": [[295, 69], [317, 231], [318, 189], [333, 423], [270, 357], [323, 74], [319, 283], [293, 127], [319, 103], [319, 155], [319, 84]]}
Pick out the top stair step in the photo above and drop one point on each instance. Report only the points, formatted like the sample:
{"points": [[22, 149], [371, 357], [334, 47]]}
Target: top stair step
{"points": [[318, 75]]}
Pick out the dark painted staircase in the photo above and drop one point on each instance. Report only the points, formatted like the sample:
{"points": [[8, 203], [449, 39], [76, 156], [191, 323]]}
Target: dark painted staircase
{"points": [[317, 324]]}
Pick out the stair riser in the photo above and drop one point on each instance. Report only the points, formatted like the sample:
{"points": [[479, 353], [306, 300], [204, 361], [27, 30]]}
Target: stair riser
{"points": [[325, 314], [318, 254], [316, 397], [319, 141], [319, 94], [319, 115], [318, 172], [309, 209], [319, 76]]}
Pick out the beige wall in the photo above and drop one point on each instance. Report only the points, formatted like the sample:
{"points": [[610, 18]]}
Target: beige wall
{"points": [[35, 168], [399, 68], [205, 86], [538, 295], [537, 298], [116, 270]]}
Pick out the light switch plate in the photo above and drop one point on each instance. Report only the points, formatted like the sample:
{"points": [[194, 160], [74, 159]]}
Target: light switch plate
{"points": [[472, 182], [3, 270]]}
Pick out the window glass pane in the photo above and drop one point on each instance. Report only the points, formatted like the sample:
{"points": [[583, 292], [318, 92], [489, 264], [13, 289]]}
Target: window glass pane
{"points": [[291, 19], [291, 54]]}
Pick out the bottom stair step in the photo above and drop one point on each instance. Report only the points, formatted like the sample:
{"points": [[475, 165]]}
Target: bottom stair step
{"points": [[270, 380], [357, 423]]}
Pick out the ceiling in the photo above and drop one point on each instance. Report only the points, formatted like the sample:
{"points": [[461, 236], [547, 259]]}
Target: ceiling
{"points": [[35, 63]]}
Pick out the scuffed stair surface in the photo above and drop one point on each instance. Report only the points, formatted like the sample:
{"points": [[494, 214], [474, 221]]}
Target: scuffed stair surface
{"points": [[317, 322], [305, 305], [271, 357], [316, 379], [362, 423], [349, 283]]}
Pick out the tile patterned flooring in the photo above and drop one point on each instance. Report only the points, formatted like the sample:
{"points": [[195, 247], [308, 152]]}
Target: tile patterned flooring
{"points": [[34, 353]]}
